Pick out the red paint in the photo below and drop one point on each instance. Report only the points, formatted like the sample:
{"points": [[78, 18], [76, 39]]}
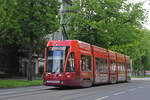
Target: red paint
{"points": [[45, 61], [86, 78]]}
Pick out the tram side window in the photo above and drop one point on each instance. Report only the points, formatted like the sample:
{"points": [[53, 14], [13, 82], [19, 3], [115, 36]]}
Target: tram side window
{"points": [[83, 62], [98, 68], [123, 67], [112, 65], [71, 63], [88, 63], [119, 66], [100, 65], [106, 67]]}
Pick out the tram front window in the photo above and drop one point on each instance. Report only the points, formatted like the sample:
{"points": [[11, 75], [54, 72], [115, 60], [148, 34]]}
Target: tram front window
{"points": [[55, 59]]}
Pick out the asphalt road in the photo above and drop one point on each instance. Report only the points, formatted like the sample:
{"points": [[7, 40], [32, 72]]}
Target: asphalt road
{"points": [[134, 90]]}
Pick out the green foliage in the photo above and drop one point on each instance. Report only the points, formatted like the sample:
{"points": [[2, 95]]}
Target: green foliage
{"points": [[105, 22], [139, 51], [26, 23], [112, 24], [19, 18]]}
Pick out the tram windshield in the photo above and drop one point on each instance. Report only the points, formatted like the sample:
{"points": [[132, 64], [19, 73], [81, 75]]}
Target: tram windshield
{"points": [[55, 59]]}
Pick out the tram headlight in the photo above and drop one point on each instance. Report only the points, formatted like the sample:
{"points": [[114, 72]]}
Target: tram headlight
{"points": [[60, 75], [68, 76], [46, 74]]}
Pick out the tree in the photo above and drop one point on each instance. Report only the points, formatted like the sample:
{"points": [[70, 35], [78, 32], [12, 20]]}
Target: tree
{"points": [[105, 22], [28, 23], [139, 51], [143, 52], [112, 24]]}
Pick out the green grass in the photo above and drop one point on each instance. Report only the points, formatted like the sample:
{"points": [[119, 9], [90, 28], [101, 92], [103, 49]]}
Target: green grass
{"points": [[19, 83], [141, 76]]}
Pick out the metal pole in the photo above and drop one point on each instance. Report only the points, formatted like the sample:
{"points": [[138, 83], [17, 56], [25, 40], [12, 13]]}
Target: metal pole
{"points": [[65, 3]]}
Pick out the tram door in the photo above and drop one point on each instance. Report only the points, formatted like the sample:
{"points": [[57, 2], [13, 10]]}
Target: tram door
{"points": [[101, 73]]}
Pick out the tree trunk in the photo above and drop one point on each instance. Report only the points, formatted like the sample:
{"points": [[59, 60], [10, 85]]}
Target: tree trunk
{"points": [[143, 70], [30, 58], [30, 67]]}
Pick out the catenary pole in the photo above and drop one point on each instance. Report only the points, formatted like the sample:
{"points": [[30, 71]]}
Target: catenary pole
{"points": [[60, 35]]}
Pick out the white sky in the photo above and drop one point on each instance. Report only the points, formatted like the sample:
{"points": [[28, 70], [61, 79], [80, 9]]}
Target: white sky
{"points": [[146, 5]]}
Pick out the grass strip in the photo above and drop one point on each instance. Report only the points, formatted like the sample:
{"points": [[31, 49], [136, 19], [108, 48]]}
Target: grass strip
{"points": [[19, 83], [145, 76]]}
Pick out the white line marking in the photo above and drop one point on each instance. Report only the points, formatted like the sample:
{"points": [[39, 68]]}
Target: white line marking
{"points": [[102, 98], [132, 89], [140, 87], [146, 85], [22, 91], [119, 93], [7, 93]]}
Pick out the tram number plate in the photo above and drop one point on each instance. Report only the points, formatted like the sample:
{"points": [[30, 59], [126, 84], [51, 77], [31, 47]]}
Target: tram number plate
{"points": [[53, 81]]}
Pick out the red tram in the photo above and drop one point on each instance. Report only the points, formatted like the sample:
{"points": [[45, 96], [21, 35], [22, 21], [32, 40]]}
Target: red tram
{"points": [[76, 63]]}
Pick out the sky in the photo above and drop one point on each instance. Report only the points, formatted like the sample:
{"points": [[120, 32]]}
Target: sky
{"points": [[146, 5]]}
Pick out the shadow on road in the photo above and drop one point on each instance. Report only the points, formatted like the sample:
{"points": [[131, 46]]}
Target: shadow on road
{"points": [[74, 88], [65, 88]]}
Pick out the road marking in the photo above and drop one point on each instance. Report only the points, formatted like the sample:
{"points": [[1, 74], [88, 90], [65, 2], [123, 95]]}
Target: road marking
{"points": [[146, 85], [20, 91], [119, 93], [7, 93], [102, 98], [140, 87], [132, 89]]}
